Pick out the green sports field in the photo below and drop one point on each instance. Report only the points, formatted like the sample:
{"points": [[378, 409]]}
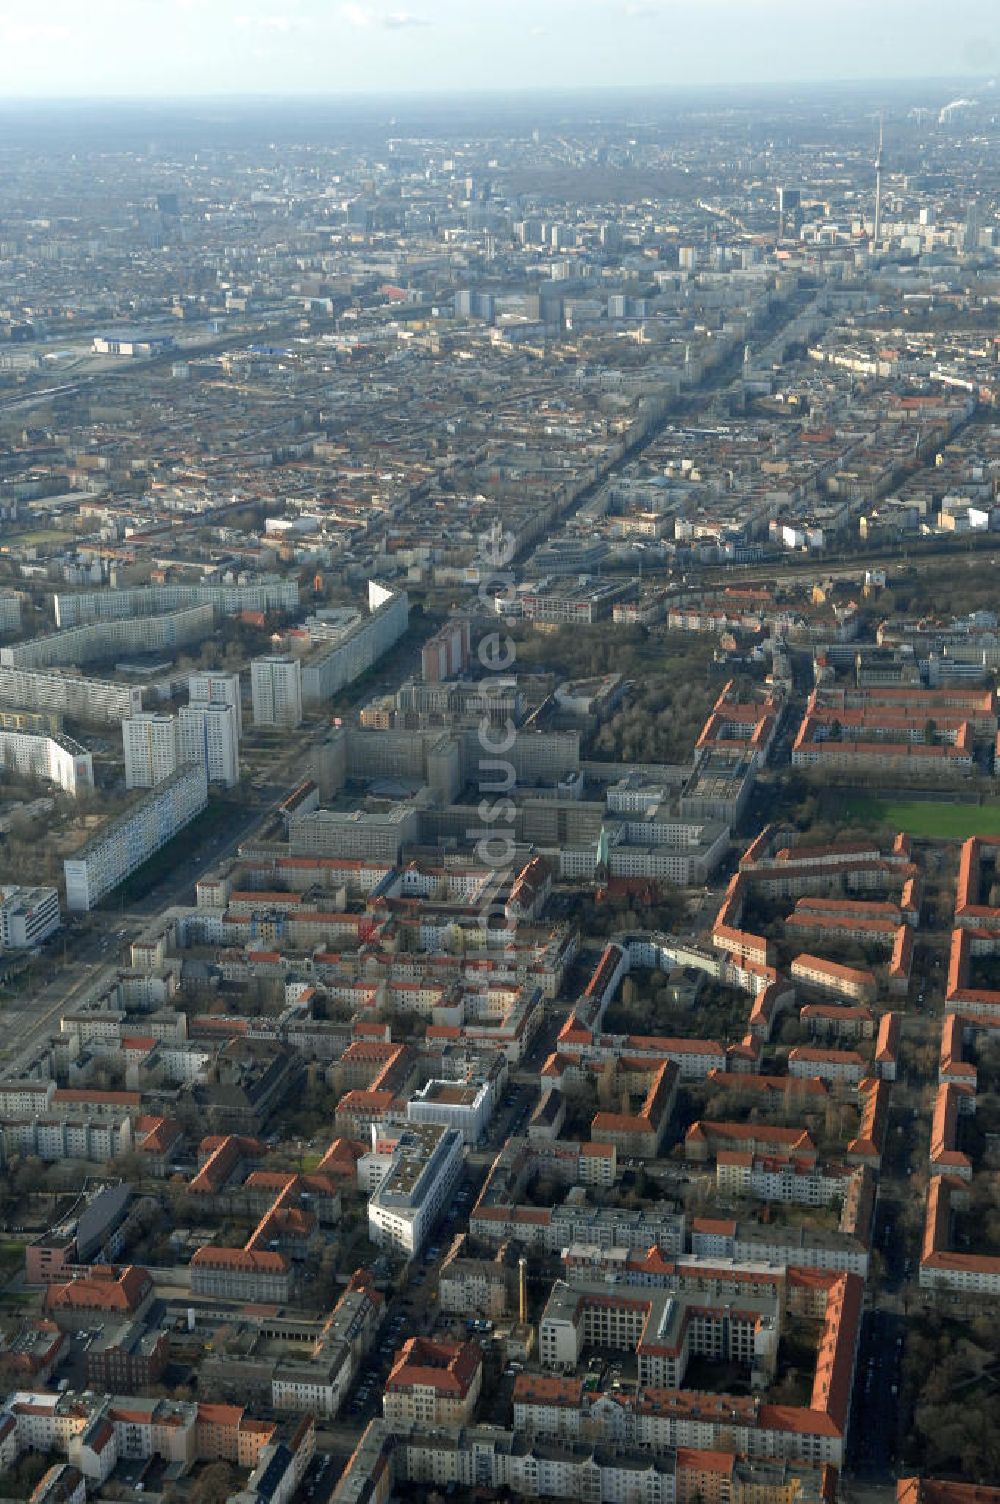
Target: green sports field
{"points": [[933, 820]]}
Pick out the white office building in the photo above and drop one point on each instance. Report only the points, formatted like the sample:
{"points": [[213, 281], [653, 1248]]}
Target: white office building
{"points": [[27, 916], [151, 749], [365, 835], [422, 1165], [465, 1106], [122, 846], [276, 687], [55, 757], [210, 733]]}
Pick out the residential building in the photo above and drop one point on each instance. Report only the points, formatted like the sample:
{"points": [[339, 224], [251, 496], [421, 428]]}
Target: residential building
{"points": [[446, 655], [28, 916], [433, 1383], [831, 976], [151, 749], [55, 1139], [10, 611], [334, 664], [89, 700], [477, 1286], [276, 688], [213, 687], [55, 757], [942, 1491], [96, 1431], [890, 1032], [665, 1330], [268, 593], [210, 733], [941, 1267], [131, 838], [105, 639], [61, 1484], [780, 1178], [841, 1066]]}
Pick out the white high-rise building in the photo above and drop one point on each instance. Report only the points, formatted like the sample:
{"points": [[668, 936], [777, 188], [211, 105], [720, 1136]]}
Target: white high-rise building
{"points": [[214, 688], [210, 734], [151, 749], [276, 685], [10, 611]]}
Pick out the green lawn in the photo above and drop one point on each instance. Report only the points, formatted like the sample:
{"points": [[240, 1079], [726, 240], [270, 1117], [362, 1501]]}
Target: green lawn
{"points": [[11, 1252], [935, 820], [40, 535]]}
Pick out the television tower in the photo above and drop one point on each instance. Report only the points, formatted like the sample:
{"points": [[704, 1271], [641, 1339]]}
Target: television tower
{"points": [[878, 188]]}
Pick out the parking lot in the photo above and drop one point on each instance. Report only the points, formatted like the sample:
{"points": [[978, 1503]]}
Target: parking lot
{"points": [[320, 1479]]}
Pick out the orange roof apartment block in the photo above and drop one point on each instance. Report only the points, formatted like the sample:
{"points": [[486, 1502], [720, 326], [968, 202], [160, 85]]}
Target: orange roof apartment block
{"points": [[940, 1267], [938, 1491], [831, 976], [436, 1383], [887, 1045]]}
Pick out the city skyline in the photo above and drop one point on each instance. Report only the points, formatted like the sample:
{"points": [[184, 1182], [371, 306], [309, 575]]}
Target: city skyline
{"points": [[209, 47], [499, 755]]}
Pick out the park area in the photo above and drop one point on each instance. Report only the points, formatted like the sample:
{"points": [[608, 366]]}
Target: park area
{"points": [[928, 820]]}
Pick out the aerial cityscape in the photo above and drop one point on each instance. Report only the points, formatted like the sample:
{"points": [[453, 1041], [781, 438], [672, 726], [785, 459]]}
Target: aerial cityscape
{"points": [[500, 795]]}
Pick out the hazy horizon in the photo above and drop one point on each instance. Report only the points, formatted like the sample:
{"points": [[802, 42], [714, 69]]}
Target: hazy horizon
{"points": [[180, 49]]}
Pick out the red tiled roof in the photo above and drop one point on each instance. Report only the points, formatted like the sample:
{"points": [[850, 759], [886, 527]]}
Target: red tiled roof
{"points": [[449, 1368], [105, 1288]]}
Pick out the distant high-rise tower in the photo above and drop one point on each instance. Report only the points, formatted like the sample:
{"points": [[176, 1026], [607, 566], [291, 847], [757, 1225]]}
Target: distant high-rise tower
{"points": [[970, 239], [876, 236], [789, 211]]}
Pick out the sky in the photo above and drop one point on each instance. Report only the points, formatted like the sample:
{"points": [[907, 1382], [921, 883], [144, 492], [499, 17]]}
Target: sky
{"points": [[97, 48]]}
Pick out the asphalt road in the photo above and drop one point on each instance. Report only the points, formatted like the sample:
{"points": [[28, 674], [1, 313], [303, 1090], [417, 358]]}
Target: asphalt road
{"points": [[876, 1421], [412, 1312], [86, 956], [97, 945], [28, 1018]]}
